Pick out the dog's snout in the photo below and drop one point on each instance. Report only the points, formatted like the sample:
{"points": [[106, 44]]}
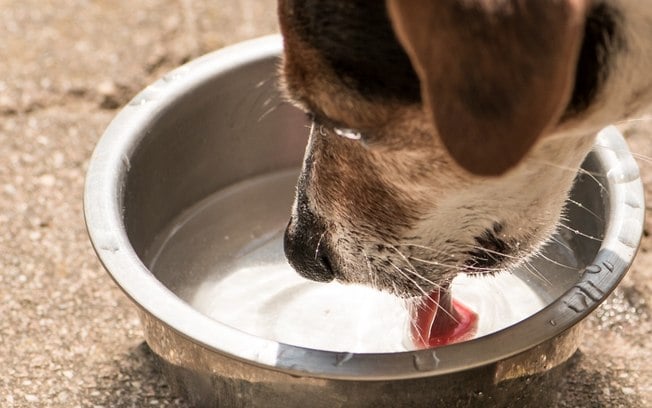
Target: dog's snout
{"points": [[307, 251]]}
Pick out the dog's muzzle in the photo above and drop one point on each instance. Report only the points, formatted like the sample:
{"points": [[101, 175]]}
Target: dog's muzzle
{"points": [[306, 248]]}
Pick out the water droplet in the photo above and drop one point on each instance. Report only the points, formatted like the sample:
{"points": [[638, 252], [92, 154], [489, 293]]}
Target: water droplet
{"points": [[342, 358], [348, 133], [126, 162], [425, 360], [630, 232], [633, 200], [111, 247], [171, 77], [294, 367], [138, 101], [593, 269], [624, 173]]}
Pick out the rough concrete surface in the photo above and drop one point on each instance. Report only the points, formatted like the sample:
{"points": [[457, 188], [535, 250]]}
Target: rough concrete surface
{"points": [[68, 336]]}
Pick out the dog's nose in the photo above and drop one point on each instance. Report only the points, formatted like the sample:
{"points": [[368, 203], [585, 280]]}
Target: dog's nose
{"points": [[307, 251]]}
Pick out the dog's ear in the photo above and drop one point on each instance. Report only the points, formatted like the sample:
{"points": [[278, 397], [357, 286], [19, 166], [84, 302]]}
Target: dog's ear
{"points": [[495, 74]]}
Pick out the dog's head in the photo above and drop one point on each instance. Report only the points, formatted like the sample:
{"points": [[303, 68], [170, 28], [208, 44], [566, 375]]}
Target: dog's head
{"points": [[446, 134]]}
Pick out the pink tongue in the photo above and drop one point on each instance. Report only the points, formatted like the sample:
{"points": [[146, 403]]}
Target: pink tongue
{"points": [[439, 320]]}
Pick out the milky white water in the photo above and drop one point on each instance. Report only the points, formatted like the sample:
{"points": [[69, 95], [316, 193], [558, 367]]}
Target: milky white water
{"points": [[224, 256], [275, 303]]}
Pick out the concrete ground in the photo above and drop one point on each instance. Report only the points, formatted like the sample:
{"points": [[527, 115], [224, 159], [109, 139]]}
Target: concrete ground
{"points": [[68, 336]]}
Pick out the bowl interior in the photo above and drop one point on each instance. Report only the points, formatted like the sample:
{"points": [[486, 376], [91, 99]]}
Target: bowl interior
{"points": [[210, 187]]}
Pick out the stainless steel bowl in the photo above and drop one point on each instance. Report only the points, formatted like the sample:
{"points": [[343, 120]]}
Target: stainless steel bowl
{"points": [[219, 120]]}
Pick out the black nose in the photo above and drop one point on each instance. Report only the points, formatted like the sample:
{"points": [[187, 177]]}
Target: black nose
{"points": [[306, 249]]}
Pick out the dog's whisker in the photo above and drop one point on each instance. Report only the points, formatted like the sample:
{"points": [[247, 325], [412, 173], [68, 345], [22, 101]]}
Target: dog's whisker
{"points": [[400, 271], [493, 252], [580, 233], [582, 206], [534, 272], [594, 176], [458, 268], [646, 159], [319, 244], [410, 244], [407, 258], [394, 288], [437, 252], [395, 249], [437, 305], [489, 252], [555, 165], [371, 274], [429, 262], [468, 246], [644, 119], [639, 156], [265, 81], [268, 111], [420, 276], [564, 218], [482, 269], [311, 127], [542, 255], [565, 168], [560, 242], [414, 270]]}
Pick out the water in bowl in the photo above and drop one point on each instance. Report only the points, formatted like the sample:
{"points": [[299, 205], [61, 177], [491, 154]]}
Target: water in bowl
{"points": [[224, 256]]}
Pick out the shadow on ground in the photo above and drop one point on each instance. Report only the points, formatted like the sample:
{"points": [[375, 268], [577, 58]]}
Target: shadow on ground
{"points": [[588, 384], [135, 381]]}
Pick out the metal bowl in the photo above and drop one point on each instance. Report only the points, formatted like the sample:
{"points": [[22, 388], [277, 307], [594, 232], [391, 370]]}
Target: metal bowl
{"points": [[218, 120]]}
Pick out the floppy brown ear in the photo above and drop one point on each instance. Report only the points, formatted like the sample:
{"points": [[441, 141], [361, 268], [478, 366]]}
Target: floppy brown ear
{"points": [[495, 74]]}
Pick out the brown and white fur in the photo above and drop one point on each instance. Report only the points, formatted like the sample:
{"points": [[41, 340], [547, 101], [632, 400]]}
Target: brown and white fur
{"points": [[472, 118]]}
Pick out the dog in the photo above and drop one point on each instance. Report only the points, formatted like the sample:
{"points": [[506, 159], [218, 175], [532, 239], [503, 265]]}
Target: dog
{"points": [[446, 134]]}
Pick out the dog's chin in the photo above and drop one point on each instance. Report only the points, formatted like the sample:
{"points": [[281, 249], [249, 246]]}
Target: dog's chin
{"points": [[410, 279], [409, 270]]}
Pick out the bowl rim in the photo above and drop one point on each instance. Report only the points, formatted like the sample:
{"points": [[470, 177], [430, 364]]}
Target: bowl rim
{"points": [[103, 212]]}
